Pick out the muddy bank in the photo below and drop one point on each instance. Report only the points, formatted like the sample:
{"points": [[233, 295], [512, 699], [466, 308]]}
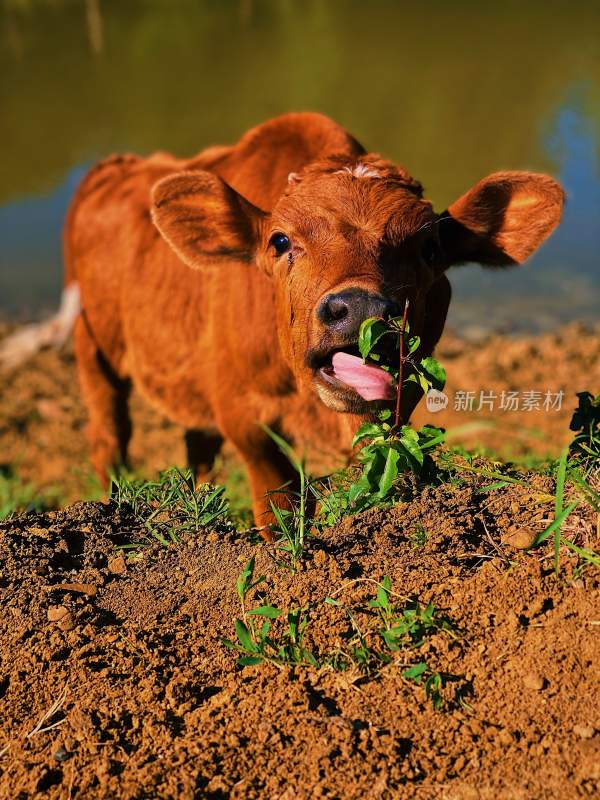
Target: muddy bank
{"points": [[115, 681]]}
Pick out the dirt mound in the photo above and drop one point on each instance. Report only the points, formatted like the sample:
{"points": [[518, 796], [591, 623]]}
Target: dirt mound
{"points": [[42, 421], [115, 681]]}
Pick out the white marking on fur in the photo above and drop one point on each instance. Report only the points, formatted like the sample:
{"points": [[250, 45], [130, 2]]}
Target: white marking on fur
{"points": [[360, 171], [53, 332]]}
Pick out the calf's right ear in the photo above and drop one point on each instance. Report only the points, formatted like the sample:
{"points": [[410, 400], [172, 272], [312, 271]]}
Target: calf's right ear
{"points": [[204, 220]]}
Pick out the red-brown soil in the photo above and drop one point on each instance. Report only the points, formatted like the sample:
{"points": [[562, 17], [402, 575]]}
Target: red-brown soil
{"points": [[149, 703]]}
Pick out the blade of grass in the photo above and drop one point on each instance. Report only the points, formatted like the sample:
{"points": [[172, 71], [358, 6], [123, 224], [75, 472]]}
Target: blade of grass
{"points": [[553, 525], [558, 505], [582, 552]]}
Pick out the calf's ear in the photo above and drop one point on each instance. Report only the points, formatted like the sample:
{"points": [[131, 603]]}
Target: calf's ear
{"points": [[204, 220], [502, 220]]}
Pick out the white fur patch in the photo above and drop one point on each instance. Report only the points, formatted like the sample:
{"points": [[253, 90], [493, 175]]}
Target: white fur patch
{"points": [[360, 171]]}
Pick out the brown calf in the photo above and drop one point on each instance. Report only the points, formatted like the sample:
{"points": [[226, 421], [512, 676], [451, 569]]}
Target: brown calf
{"points": [[220, 286]]}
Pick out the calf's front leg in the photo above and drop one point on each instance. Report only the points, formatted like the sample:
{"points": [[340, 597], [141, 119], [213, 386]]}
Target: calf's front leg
{"points": [[268, 470]]}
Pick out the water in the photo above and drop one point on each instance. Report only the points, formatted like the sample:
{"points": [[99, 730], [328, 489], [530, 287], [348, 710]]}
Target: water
{"points": [[452, 90]]}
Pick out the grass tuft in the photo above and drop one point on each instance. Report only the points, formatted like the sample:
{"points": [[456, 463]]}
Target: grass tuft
{"points": [[172, 505]]}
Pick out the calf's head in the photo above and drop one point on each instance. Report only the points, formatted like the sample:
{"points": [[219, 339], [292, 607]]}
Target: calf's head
{"points": [[352, 237]]}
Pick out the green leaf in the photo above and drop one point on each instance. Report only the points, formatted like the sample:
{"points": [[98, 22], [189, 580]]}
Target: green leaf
{"points": [[390, 472], [491, 486], [583, 552], [399, 630], [242, 583], [382, 597], [308, 656], [413, 344], [250, 661], [293, 619], [332, 602], [415, 673], [434, 372], [280, 516], [266, 611], [410, 441], [285, 448], [390, 639], [433, 684], [367, 430], [370, 333], [244, 636], [430, 436]]}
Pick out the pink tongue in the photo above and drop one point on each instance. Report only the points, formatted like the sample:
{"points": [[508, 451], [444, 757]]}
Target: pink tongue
{"points": [[371, 383]]}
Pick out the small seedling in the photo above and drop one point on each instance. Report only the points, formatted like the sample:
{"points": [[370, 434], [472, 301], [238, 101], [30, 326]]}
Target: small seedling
{"points": [[257, 643], [401, 631], [279, 638], [434, 682], [405, 626], [579, 467], [293, 523]]}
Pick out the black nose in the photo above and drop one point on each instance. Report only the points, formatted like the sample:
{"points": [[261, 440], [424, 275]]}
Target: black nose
{"points": [[345, 311]]}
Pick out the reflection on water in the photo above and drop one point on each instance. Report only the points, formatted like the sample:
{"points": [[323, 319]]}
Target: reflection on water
{"points": [[453, 91]]}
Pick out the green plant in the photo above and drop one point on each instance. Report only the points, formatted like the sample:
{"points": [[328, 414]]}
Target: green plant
{"points": [[405, 626], [434, 682], [294, 522], [266, 634], [578, 466], [401, 630], [393, 449], [172, 505], [256, 642]]}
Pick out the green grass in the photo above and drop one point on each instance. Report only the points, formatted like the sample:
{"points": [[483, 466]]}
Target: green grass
{"points": [[576, 472], [171, 505]]}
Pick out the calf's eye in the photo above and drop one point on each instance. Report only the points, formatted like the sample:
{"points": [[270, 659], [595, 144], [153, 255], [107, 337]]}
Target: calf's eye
{"points": [[280, 243]]}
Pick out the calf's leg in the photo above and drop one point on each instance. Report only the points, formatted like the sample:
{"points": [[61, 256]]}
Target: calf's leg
{"points": [[106, 397], [268, 470]]}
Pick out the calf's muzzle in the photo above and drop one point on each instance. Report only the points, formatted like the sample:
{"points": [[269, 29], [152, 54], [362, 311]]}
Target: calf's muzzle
{"points": [[344, 312]]}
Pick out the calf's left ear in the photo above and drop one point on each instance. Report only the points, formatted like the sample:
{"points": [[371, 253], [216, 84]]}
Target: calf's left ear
{"points": [[502, 220], [204, 220]]}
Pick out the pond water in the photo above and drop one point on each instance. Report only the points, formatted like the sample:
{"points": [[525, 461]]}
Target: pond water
{"points": [[453, 91]]}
